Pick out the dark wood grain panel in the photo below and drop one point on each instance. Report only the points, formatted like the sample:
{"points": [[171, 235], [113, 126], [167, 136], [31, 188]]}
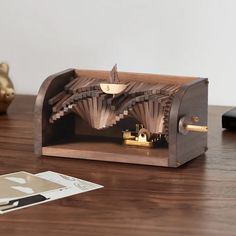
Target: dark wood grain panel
{"points": [[44, 132], [196, 199]]}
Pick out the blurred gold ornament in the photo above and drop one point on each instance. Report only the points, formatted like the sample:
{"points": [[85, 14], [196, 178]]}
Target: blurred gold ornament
{"points": [[7, 92]]}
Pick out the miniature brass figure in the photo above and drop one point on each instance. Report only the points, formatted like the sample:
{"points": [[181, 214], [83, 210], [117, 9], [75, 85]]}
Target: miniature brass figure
{"points": [[7, 92]]}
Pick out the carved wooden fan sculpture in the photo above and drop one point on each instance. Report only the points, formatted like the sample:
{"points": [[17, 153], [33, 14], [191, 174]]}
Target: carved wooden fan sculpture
{"points": [[103, 103], [95, 114]]}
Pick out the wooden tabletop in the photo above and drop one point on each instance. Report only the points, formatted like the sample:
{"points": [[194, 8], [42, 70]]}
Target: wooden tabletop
{"points": [[198, 198]]}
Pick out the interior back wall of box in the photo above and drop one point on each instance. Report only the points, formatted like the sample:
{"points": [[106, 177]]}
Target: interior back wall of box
{"points": [[185, 37]]}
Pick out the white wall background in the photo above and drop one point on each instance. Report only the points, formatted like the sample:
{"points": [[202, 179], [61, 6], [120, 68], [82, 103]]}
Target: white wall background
{"points": [[184, 37]]}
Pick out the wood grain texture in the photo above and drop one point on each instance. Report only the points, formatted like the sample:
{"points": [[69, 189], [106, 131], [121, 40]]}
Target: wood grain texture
{"points": [[191, 100], [44, 132], [127, 76], [53, 136], [199, 198]]}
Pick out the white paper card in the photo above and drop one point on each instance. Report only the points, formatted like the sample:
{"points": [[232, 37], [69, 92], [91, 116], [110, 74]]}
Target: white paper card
{"points": [[22, 184], [72, 186]]}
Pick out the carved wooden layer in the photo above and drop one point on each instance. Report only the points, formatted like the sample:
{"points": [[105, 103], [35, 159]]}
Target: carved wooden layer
{"points": [[76, 103]]}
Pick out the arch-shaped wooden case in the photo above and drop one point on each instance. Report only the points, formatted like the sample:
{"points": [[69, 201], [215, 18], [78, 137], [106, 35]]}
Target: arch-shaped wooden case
{"points": [[63, 137]]}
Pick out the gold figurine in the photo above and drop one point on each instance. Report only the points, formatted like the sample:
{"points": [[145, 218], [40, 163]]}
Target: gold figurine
{"points": [[7, 92]]}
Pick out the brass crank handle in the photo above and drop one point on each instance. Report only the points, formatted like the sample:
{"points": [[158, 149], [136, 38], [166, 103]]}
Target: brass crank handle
{"points": [[185, 125]]}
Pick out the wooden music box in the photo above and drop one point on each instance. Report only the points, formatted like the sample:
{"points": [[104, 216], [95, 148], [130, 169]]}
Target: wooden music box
{"points": [[115, 116]]}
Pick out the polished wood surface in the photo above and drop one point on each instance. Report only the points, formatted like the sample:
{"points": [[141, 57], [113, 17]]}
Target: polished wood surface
{"points": [[198, 198], [54, 138]]}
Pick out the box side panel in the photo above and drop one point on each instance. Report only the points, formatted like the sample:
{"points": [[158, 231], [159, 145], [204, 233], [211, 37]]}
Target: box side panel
{"points": [[45, 132], [194, 103]]}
